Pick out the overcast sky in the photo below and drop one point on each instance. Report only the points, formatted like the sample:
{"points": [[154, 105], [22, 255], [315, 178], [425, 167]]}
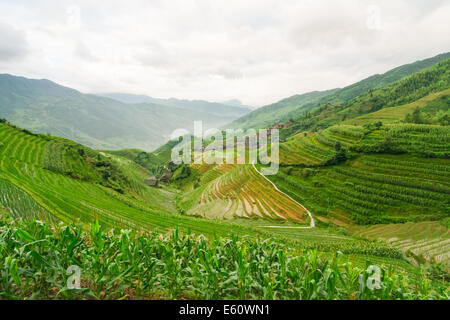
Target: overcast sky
{"points": [[258, 51]]}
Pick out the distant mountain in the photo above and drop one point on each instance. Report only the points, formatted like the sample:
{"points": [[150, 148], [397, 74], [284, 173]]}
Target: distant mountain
{"points": [[237, 103], [215, 108], [267, 116], [101, 122], [399, 94], [295, 106]]}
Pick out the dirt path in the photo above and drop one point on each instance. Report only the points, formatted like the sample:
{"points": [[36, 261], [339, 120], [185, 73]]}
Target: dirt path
{"points": [[312, 225]]}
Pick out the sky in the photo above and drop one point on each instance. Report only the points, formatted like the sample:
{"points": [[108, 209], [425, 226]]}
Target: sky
{"points": [[257, 51]]}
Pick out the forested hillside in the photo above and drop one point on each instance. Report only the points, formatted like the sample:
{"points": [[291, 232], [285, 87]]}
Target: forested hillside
{"points": [[296, 106], [407, 90]]}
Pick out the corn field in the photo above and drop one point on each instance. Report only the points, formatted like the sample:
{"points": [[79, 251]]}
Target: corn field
{"points": [[125, 264]]}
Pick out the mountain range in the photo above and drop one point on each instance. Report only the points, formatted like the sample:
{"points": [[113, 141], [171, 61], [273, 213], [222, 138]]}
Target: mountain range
{"points": [[296, 105], [101, 122]]}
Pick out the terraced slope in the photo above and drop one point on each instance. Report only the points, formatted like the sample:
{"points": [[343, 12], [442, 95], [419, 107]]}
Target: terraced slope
{"points": [[29, 190], [372, 189], [304, 149], [396, 114], [234, 191], [424, 241], [428, 141], [311, 149]]}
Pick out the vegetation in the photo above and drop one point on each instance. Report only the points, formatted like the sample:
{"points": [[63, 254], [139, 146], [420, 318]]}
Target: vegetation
{"points": [[424, 241], [407, 90], [289, 109], [231, 191], [128, 265], [100, 122], [375, 180]]}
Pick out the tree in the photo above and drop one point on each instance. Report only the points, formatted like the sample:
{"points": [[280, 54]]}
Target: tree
{"points": [[417, 116], [338, 146]]}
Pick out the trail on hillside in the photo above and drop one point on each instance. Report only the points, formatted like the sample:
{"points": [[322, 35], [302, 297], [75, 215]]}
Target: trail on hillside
{"points": [[312, 225]]}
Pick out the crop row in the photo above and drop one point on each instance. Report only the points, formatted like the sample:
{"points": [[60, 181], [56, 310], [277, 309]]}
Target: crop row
{"points": [[127, 264]]}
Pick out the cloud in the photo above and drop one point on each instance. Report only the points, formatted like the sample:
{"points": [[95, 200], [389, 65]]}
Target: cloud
{"points": [[13, 45], [83, 52], [258, 51]]}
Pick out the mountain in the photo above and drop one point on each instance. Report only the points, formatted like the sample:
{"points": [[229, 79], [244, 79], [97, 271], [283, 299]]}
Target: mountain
{"points": [[295, 106], [405, 91], [237, 103], [267, 116], [101, 122], [212, 108], [375, 186]]}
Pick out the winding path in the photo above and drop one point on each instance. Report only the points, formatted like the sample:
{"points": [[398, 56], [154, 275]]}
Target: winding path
{"points": [[312, 225]]}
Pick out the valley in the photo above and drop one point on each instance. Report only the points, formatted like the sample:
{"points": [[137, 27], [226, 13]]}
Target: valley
{"points": [[363, 179]]}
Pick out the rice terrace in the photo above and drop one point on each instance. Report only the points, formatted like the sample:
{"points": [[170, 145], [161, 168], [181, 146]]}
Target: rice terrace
{"points": [[340, 194]]}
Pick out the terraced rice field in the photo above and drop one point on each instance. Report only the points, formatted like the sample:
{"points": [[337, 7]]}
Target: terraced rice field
{"points": [[31, 187], [29, 190], [239, 191], [425, 241], [393, 114], [320, 146], [374, 189], [304, 150], [424, 140]]}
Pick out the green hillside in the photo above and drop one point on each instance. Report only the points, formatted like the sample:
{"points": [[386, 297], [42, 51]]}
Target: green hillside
{"points": [[384, 167], [295, 106], [54, 179], [267, 116], [99, 122], [405, 91], [364, 182]]}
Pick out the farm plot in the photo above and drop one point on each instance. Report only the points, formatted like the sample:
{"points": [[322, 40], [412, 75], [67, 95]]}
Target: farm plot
{"points": [[241, 192], [373, 189], [424, 140], [424, 241], [304, 150]]}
